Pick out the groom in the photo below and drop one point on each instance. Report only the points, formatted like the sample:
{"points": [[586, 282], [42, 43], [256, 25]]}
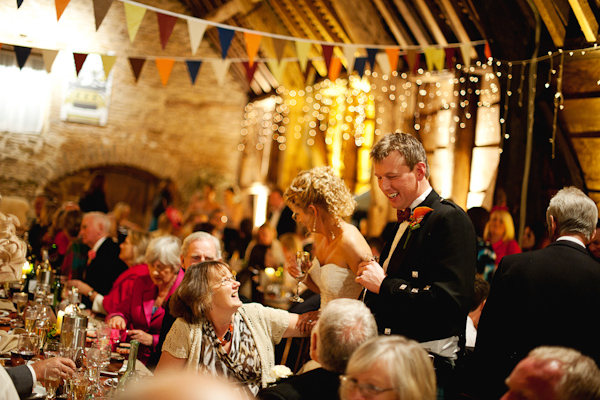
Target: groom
{"points": [[423, 287]]}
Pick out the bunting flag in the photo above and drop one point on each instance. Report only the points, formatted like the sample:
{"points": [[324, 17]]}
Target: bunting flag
{"points": [[134, 16], [411, 59], [165, 67], [450, 58], [22, 54], [48, 56], [327, 53], [480, 49], [384, 63], [252, 43], [250, 70], [136, 66], [225, 37], [101, 7], [220, 68], [371, 53], [393, 55], [279, 46], [359, 65], [19, 3], [335, 67], [487, 51], [465, 50], [350, 55], [60, 7], [302, 49], [434, 58], [193, 67], [79, 59], [108, 62], [166, 23], [196, 30], [277, 69]]}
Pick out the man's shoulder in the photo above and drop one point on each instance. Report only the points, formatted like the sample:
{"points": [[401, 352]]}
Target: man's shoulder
{"points": [[312, 385]]}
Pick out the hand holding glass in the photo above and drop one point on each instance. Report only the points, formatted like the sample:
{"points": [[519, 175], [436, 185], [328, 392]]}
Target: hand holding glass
{"points": [[52, 381], [302, 266]]}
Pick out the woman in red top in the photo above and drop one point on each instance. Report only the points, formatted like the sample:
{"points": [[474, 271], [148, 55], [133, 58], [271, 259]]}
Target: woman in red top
{"points": [[500, 232]]}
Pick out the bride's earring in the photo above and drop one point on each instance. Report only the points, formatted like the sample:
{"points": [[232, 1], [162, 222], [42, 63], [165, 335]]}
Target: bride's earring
{"points": [[314, 229]]}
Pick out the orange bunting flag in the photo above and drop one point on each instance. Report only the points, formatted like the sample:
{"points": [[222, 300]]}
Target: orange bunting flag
{"points": [[334, 68], [487, 51], [165, 67], [79, 60], [166, 23], [252, 43], [134, 16], [60, 7], [393, 55]]}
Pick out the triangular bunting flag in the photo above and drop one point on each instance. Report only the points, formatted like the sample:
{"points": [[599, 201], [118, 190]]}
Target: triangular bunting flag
{"points": [[302, 49], [350, 54], [480, 48], [411, 59], [165, 67], [19, 3], [434, 58], [22, 54], [220, 67], [450, 58], [134, 16], [100, 9], [371, 53], [60, 7], [108, 63], [225, 37], [384, 64], [279, 46], [334, 68], [250, 70], [193, 68], [359, 65], [393, 55], [252, 43], [196, 30], [79, 60], [48, 56], [465, 51], [487, 51], [327, 53], [136, 66], [277, 69], [166, 23]]}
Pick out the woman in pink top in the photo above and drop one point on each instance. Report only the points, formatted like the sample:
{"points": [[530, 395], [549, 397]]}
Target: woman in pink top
{"points": [[500, 232]]}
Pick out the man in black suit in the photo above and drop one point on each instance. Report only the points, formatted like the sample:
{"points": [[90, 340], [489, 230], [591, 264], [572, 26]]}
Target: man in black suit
{"points": [[543, 297], [104, 264], [424, 286], [281, 215], [342, 327], [23, 377]]}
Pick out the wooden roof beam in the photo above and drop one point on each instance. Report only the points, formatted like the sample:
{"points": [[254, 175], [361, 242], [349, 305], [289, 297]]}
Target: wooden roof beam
{"points": [[401, 37], [362, 22], [454, 21], [552, 21], [431, 22], [585, 17], [412, 23]]}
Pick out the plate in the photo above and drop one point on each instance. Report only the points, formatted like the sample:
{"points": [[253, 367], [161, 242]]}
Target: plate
{"points": [[4, 313]]}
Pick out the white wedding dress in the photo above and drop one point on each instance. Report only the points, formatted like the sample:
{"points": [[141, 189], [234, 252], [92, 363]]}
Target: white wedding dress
{"points": [[334, 282]]}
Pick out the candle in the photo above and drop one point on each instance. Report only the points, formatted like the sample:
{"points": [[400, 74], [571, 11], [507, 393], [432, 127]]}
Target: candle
{"points": [[59, 319]]}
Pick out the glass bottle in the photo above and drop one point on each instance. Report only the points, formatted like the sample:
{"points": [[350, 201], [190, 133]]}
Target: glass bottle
{"points": [[128, 375], [56, 289]]}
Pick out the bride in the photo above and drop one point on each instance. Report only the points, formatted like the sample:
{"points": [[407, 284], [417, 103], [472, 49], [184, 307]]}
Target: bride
{"points": [[319, 201]]}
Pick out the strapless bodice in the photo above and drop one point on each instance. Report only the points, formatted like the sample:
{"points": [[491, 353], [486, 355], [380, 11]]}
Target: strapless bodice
{"points": [[334, 282]]}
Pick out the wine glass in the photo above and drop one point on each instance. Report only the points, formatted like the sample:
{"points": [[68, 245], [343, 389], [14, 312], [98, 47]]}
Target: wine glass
{"points": [[52, 381], [28, 345], [98, 356], [30, 317], [20, 300], [302, 265]]}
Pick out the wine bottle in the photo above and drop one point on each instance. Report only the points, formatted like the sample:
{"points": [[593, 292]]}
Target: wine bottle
{"points": [[56, 289], [130, 366]]}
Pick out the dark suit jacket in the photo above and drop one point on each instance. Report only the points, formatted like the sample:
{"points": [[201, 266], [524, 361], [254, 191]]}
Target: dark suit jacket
{"points": [[23, 380], [318, 384], [543, 297], [103, 270], [286, 223], [429, 285]]}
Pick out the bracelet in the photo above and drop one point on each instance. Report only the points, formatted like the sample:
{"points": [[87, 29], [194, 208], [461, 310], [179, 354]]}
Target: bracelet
{"points": [[90, 293]]}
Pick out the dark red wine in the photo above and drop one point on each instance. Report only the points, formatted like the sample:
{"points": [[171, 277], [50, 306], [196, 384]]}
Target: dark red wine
{"points": [[27, 354]]}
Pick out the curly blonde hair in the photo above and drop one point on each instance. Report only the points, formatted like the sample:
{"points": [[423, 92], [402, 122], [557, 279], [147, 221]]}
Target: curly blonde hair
{"points": [[320, 187]]}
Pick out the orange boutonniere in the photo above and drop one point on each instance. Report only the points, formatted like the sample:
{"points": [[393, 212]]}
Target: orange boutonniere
{"points": [[414, 222]]}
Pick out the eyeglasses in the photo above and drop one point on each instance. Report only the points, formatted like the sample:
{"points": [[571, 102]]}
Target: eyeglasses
{"points": [[366, 390], [225, 281]]}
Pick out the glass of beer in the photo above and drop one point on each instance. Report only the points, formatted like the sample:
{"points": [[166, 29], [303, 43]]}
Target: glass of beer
{"points": [[79, 385]]}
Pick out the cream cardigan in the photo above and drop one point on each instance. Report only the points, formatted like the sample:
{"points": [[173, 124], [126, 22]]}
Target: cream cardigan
{"points": [[266, 324]]}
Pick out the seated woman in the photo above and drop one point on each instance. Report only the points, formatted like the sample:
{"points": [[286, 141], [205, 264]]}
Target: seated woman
{"points": [[500, 232], [133, 253], [389, 367], [141, 312], [215, 333]]}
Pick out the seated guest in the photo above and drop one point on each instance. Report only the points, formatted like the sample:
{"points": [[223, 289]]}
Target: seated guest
{"points": [[75, 257], [141, 312], [104, 265], [23, 378], [554, 373], [389, 367], [215, 333], [343, 326], [500, 232]]}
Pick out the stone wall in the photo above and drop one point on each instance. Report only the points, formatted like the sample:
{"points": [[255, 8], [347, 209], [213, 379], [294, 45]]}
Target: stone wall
{"points": [[179, 131]]}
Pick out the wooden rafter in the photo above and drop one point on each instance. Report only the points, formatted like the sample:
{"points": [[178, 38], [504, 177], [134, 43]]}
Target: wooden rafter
{"points": [[400, 34], [431, 22], [413, 23], [585, 17], [552, 21], [315, 16]]}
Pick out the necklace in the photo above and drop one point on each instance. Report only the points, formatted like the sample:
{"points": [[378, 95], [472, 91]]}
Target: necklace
{"points": [[227, 337]]}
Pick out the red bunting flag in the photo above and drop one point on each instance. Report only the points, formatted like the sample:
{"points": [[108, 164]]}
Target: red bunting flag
{"points": [[250, 70], [487, 51], [166, 23], [79, 60], [327, 53], [136, 66], [450, 58]]}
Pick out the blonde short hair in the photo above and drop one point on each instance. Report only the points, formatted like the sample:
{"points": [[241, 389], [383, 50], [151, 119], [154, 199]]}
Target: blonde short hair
{"points": [[509, 231]]}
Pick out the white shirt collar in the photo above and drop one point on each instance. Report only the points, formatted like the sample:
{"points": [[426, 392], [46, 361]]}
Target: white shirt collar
{"points": [[572, 239], [99, 243], [421, 198]]}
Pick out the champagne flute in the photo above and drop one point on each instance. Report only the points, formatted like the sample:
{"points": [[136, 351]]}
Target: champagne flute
{"points": [[302, 265], [30, 317], [52, 381], [20, 300]]}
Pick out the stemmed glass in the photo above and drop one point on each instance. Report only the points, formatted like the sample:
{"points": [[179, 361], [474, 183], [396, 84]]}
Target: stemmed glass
{"points": [[98, 356], [28, 345], [20, 300], [302, 265], [52, 381]]}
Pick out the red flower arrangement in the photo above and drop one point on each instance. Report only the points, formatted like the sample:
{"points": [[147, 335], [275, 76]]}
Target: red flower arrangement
{"points": [[414, 222]]}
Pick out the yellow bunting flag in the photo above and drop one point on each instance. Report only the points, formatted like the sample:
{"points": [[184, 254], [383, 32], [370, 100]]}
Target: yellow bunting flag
{"points": [[165, 67], [196, 30], [393, 55], [277, 69], [220, 67], [465, 50], [334, 68], [434, 58], [60, 7], [252, 43], [108, 62], [48, 56], [384, 63], [302, 49], [134, 16], [350, 54]]}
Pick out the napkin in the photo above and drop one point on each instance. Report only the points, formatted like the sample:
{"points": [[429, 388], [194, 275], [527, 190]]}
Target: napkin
{"points": [[7, 305], [8, 342]]}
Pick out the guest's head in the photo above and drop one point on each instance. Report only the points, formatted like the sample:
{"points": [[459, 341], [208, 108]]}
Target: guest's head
{"points": [[206, 286], [499, 227], [71, 222], [94, 226], [318, 193], [133, 248], [480, 295], [38, 204], [343, 325], [121, 211], [554, 373], [163, 257], [265, 234], [389, 368], [479, 216], [275, 200], [570, 213], [198, 247]]}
